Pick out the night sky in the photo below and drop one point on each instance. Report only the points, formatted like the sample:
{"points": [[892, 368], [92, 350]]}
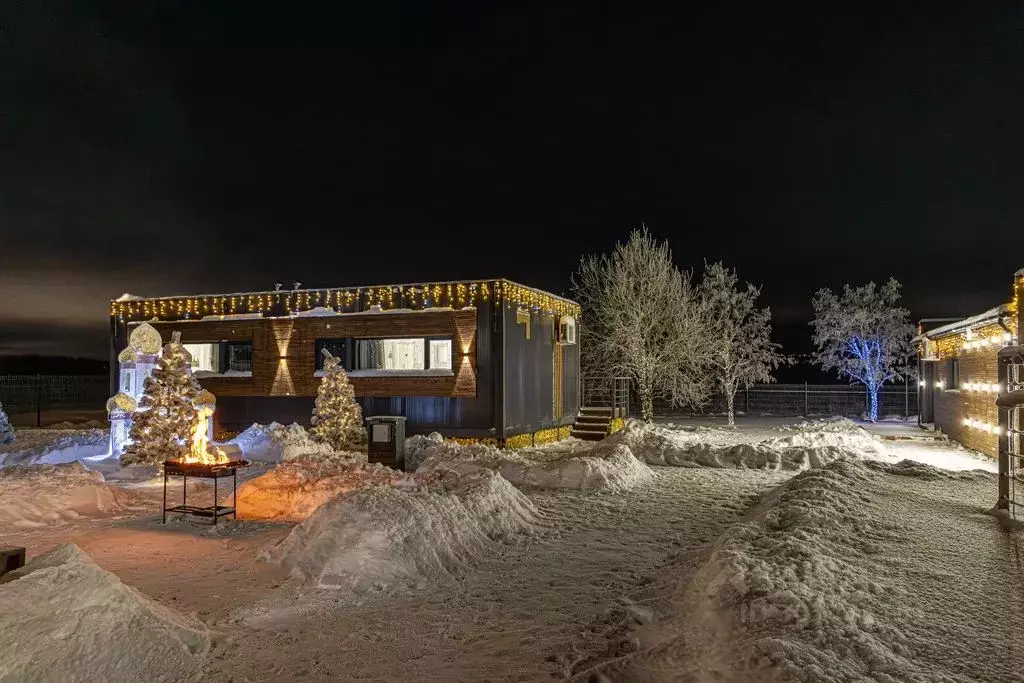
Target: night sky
{"points": [[198, 149]]}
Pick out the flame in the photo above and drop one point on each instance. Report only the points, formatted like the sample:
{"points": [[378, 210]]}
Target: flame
{"points": [[199, 450]]}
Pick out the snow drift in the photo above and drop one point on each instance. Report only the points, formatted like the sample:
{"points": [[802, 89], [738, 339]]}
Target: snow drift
{"points": [[294, 489], [798, 591], [810, 445], [53, 446], [614, 469], [39, 495], [277, 443], [389, 537], [63, 618]]}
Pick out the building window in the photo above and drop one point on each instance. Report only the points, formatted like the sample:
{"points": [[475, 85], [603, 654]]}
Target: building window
{"points": [[335, 347], [390, 354], [567, 330], [953, 373], [398, 355], [239, 357], [441, 354], [205, 357]]}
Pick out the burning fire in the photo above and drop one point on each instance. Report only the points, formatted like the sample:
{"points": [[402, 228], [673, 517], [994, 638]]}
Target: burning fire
{"points": [[199, 450]]}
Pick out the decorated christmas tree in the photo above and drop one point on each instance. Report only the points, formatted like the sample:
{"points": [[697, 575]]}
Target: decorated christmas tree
{"points": [[6, 430], [163, 423], [337, 418]]}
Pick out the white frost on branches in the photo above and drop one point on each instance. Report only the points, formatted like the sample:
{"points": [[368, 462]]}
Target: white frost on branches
{"points": [[643, 318], [742, 349], [863, 334]]}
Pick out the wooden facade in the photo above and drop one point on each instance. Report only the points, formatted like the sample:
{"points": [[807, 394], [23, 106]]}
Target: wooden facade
{"points": [[502, 382]]}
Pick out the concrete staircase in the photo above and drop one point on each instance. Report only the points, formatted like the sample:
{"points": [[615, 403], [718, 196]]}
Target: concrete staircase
{"points": [[592, 424]]}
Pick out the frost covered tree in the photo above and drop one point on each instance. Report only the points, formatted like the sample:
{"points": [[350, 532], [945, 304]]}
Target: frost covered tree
{"points": [[166, 409], [6, 430], [742, 349], [643, 318], [863, 334], [337, 417]]}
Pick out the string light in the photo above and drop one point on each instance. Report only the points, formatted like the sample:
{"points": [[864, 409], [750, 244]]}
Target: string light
{"points": [[349, 300], [981, 425]]}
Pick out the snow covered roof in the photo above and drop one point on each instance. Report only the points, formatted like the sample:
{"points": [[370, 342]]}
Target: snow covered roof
{"points": [[987, 318]]}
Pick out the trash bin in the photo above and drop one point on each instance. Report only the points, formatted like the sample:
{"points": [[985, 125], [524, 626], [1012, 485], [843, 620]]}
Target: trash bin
{"points": [[385, 436]]}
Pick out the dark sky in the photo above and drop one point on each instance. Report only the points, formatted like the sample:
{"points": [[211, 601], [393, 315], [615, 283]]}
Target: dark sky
{"points": [[192, 149]]}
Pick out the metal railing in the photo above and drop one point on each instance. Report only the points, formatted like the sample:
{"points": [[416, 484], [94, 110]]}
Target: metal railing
{"points": [[606, 392], [805, 400]]}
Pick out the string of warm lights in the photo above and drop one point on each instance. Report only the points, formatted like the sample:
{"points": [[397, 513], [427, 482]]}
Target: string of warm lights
{"points": [[346, 300], [991, 336], [984, 387], [989, 427]]}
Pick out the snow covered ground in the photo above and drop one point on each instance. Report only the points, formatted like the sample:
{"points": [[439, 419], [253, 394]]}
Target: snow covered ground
{"points": [[860, 567], [63, 618], [410, 534], [571, 464], [41, 495], [859, 571], [53, 446]]}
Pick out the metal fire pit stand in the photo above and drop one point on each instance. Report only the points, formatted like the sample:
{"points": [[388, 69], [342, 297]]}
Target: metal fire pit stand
{"points": [[215, 472]]}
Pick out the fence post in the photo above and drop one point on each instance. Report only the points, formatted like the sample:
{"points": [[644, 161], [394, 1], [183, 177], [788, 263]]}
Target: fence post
{"points": [[906, 396], [39, 401], [807, 413]]}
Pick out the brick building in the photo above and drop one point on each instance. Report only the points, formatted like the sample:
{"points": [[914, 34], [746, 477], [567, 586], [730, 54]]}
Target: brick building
{"points": [[959, 373]]}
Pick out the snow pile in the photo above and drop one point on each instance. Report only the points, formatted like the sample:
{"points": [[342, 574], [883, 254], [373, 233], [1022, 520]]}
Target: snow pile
{"points": [[838, 433], [295, 489], [39, 495], [63, 618], [798, 591], [277, 443], [389, 537], [811, 445], [418, 447], [613, 469], [53, 446]]}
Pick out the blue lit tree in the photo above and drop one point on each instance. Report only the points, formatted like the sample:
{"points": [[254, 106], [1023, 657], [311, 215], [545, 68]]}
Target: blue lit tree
{"points": [[863, 334]]}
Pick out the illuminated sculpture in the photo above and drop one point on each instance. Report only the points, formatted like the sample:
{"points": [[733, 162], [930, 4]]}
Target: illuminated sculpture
{"points": [[120, 408]]}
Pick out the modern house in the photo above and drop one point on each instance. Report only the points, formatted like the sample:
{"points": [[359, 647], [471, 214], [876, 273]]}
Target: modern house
{"points": [[959, 373], [487, 360]]}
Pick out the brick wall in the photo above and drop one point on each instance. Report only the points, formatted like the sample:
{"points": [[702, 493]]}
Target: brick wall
{"points": [[953, 406]]}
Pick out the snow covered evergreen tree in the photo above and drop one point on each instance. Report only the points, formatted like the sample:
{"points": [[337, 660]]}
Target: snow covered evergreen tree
{"points": [[166, 409], [6, 430], [863, 335], [743, 351], [643, 318], [337, 418]]}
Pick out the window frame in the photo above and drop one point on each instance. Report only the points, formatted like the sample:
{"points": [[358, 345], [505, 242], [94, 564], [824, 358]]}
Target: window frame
{"points": [[353, 354], [225, 361], [345, 355], [953, 374], [223, 357]]}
